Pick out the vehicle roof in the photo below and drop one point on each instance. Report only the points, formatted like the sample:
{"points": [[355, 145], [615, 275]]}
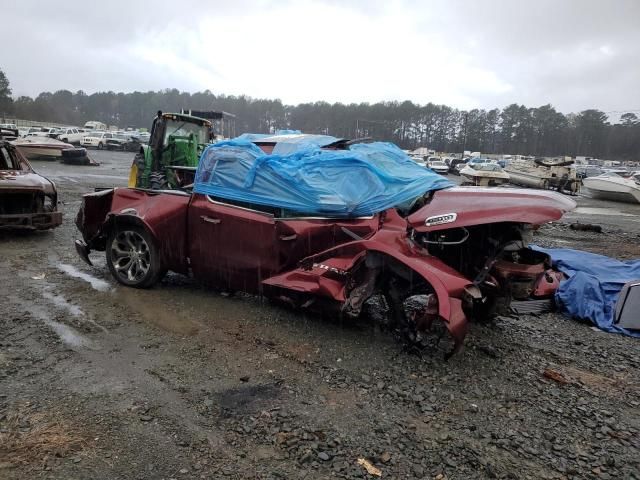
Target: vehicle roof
{"points": [[186, 118]]}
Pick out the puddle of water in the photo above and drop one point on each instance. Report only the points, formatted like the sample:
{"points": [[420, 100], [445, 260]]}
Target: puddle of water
{"points": [[67, 334], [155, 311], [602, 211], [76, 311], [96, 283], [61, 302]]}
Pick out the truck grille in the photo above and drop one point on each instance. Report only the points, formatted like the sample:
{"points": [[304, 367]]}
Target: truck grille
{"points": [[14, 203]]}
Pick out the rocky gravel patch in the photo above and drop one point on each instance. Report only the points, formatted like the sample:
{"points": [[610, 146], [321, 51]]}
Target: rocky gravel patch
{"points": [[180, 382]]}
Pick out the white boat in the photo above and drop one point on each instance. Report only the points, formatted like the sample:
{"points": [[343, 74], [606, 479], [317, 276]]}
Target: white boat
{"points": [[484, 174], [538, 174], [611, 186], [41, 147]]}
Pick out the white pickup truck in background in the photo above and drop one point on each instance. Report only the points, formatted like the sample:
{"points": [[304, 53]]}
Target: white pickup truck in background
{"points": [[71, 135]]}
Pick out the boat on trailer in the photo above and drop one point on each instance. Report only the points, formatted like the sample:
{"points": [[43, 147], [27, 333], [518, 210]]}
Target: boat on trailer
{"points": [[559, 176], [484, 174]]}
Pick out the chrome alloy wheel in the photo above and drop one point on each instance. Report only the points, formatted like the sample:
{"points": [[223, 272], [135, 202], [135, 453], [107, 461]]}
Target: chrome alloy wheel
{"points": [[130, 256]]}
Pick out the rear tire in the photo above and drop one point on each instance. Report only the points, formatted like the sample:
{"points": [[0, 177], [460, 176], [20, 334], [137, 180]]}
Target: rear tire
{"points": [[158, 181], [132, 257]]}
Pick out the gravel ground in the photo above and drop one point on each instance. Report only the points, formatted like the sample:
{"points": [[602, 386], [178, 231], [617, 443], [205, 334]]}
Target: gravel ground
{"points": [[98, 381]]}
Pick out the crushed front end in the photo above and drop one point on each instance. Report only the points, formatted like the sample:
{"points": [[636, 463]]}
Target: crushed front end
{"points": [[485, 236], [28, 209]]}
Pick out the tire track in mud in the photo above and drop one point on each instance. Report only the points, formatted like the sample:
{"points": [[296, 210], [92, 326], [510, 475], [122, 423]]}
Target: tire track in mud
{"points": [[105, 361]]}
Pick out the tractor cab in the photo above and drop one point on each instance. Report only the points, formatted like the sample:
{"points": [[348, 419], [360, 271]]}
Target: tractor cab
{"points": [[171, 157]]}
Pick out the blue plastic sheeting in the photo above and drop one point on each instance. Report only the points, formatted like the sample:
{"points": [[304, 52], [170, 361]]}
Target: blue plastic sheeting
{"points": [[364, 180], [289, 141], [287, 132], [252, 137], [593, 286], [286, 144]]}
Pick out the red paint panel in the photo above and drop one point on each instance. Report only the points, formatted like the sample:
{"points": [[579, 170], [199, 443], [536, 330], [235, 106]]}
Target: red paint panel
{"points": [[299, 238], [475, 206], [231, 247], [164, 214]]}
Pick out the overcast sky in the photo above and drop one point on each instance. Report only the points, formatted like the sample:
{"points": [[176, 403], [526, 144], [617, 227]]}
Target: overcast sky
{"points": [[464, 53]]}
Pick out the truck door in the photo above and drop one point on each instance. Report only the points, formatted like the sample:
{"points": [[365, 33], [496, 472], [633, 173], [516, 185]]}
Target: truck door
{"points": [[231, 247]]}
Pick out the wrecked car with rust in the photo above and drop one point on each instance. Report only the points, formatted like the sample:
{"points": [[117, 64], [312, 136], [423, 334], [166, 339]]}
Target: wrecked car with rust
{"points": [[27, 200], [333, 225]]}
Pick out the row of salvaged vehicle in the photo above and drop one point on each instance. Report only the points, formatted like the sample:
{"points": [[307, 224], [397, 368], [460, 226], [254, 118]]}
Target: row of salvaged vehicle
{"points": [[128, 141], [331, 225]]}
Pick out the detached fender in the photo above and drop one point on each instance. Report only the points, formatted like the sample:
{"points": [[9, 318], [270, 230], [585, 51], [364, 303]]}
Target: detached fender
{"points": [[446, 283]]}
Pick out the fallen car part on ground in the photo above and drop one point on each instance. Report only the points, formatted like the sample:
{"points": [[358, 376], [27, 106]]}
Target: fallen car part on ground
{"points": [[627, 314], [27, 200], [598, 289], [450, 255]]}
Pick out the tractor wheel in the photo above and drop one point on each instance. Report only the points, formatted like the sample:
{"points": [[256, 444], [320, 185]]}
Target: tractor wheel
{"points": [[158, 181], [138, 162]]}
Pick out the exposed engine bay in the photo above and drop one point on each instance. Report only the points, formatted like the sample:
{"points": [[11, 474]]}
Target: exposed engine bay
{"points": [[497, 259]]}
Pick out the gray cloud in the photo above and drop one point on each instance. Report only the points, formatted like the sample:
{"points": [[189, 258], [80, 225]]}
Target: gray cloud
{"points": [[573, 54]]}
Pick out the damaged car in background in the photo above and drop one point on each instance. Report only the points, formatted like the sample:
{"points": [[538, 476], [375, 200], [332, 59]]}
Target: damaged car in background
{"points": [[331, 225], [27, 200]]}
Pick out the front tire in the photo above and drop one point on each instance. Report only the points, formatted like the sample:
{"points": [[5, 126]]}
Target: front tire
{"points": [[100, 146], [132, 257]]}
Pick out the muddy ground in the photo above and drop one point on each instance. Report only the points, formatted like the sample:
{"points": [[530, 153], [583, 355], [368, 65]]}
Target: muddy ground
{"points": [[98, 381]]}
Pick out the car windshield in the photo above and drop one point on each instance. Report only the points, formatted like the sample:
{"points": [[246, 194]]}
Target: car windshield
{"points": [[438, 164], [184, 129], [8, 161]]}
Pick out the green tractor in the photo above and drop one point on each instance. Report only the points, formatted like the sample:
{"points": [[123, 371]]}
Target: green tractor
{"points": [[170, 159]]}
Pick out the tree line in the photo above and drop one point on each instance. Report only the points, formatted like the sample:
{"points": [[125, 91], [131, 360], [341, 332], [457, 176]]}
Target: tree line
{"points": [[515, 129]]}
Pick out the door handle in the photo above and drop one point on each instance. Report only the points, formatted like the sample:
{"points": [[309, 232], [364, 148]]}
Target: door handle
{"points": [[210, 220], [288, 238]]}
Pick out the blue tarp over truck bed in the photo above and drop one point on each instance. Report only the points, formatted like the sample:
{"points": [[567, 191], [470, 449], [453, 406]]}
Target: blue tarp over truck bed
{"points": [[363, 180]]}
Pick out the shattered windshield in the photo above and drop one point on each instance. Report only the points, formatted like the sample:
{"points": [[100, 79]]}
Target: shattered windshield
{"points": [[184, 129]]}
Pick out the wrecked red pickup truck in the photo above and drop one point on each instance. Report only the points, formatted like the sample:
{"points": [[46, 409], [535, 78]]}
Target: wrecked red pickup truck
{"points": [[27, 200], [452, 255]]}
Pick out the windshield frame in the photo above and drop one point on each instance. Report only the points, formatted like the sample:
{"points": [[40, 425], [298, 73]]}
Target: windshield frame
{"points": [[185, 128]]}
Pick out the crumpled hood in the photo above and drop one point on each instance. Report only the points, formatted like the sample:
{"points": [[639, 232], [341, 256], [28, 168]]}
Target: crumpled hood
{"points": [[18, 180], [466, 206]]}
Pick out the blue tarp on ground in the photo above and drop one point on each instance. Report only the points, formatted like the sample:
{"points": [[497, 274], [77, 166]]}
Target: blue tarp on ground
{"points": [[364, 180], [593, 286]]}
